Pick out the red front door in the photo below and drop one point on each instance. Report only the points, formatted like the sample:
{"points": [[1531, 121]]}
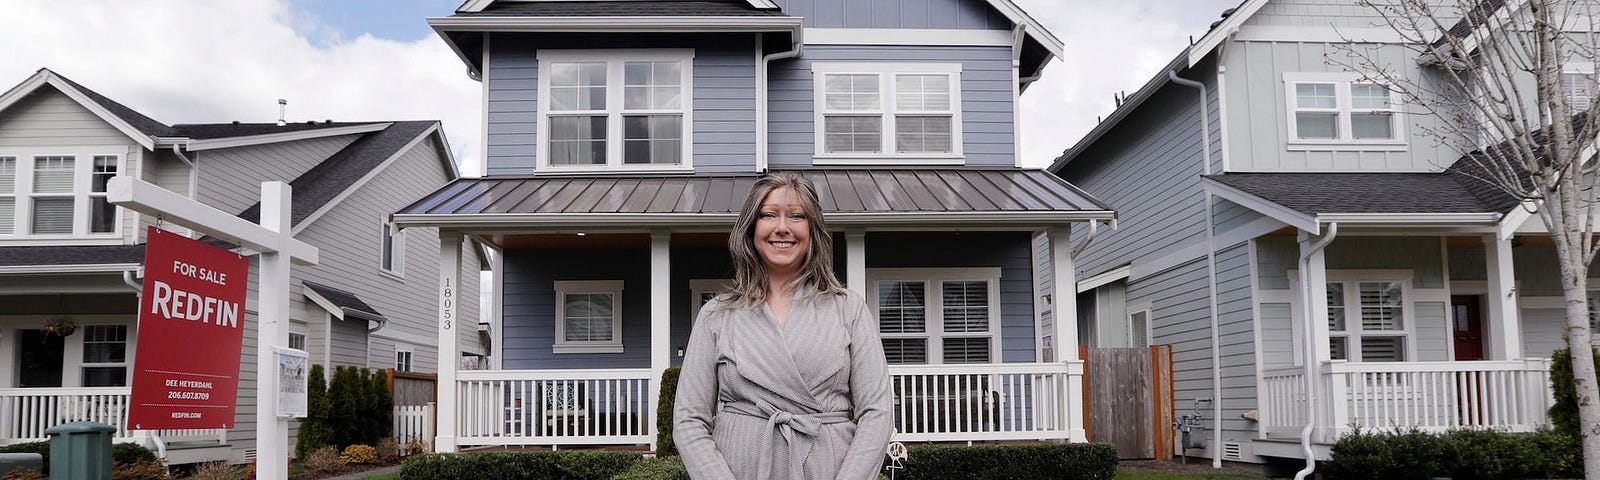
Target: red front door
{"points": [[1467, 325]]}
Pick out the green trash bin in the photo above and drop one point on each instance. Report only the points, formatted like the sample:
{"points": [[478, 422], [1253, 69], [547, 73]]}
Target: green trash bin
{"points": [[80, 451]]}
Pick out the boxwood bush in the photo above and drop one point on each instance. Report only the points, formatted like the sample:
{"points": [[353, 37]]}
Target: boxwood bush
{"points": [[1461, 454], [568, 465], [1072, 461], [669, 394]]}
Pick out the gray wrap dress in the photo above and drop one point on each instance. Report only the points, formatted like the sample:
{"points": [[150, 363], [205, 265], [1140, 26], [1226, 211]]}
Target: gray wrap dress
{"points": [[759, 402]]}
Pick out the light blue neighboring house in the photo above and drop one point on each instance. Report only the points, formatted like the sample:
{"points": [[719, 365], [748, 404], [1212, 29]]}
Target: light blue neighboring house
{"points": [[623, 136], [1310, 250]]}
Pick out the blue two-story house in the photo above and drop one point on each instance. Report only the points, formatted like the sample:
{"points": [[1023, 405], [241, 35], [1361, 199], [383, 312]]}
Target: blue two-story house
{"points": [[622, 137]]}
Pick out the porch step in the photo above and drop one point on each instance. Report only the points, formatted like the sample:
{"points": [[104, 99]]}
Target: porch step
{"points": [[183, 453], [1290, 448]]}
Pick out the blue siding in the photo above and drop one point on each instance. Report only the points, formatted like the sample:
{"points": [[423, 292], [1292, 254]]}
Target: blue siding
{"points": [[1007, 250], [530, 305], [974, 14], [988, 126], [697, 264], [724, 95]]}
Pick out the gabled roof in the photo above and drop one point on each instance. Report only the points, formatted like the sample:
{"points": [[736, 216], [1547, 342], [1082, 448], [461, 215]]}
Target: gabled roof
{"points": [[211, 131], [319, 188], [57, 255], [612, 8], [138, 127], [953, 196]]}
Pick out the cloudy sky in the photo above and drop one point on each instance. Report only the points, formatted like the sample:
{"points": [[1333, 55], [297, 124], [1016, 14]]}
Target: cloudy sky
{"points": [[190, 61]]}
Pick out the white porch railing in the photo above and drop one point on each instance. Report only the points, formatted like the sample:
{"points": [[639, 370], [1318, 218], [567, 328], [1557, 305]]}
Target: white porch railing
{"points": [[25, 414], [1430, 396], [1006, 401], [1012, 401], [554, 407]]}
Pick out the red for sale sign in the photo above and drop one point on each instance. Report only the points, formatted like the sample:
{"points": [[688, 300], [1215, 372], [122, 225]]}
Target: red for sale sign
{"points": [[191, 328]]}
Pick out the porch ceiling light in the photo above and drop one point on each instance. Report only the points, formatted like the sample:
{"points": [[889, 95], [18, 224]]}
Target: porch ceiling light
{"points": [[581, 234]]}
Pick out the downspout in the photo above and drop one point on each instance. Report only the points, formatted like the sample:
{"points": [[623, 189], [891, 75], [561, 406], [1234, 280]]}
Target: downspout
{"points": [[1310, 360], [155, 440], [1211, 264], [194, 168], [761, 94]]}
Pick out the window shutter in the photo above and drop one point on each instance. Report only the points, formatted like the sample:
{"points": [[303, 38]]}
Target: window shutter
{"points": [[1381, 306], [906, 351], [52, 215], [8, 175], [52, 175], [902, 307], [1383, 349], [8, 217], [966, 350]]}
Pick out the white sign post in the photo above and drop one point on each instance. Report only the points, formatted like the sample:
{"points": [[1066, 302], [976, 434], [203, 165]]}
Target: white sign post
{"points": [[277, 248]]}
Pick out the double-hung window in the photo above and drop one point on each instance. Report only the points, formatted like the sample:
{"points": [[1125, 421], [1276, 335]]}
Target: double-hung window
{"points": [[887, 112], [392, 256], [588, 316], [615, 110], [57, 194], [937, 315], [105, 356], [1341, 110], [402, 358], [1367, 321]]}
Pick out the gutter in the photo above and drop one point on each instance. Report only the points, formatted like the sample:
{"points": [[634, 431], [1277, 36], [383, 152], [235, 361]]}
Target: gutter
{"points": [[1211, 263], [1310, 360], [723, 220], [762, 92]]}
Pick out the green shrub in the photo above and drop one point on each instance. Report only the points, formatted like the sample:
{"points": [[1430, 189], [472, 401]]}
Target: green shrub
{"points": [[131, 453], [380, 408], [573, 465], [659, 468], [357, 410], [314, 431], [1564, 413], [1073, 461], [669, 393], [1466, 454]]}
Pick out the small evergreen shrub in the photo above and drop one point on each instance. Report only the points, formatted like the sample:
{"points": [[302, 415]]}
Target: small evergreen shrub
{"points": [[1466, 454], [659, 468], [566, 465], [669, 393], [129, 453], [1070, 461], [314, 431]]}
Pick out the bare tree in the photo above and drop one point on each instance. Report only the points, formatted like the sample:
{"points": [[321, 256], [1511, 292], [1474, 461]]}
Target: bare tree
{"points": [[1492, 75]]}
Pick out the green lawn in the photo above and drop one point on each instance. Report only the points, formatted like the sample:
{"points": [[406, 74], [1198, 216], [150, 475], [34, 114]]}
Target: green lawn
{"points": [[1136, 475]]}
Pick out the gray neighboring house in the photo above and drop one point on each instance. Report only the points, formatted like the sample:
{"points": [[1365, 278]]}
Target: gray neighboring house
{"points": [[1295, 233], [67, 254], [622, 137]]}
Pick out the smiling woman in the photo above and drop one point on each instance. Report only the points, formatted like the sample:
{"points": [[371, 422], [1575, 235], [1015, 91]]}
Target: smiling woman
{"points": [[786, 353]]}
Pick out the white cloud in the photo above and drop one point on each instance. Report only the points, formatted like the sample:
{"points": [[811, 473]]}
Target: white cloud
{"points": [[183, 62], [1112, 46]]}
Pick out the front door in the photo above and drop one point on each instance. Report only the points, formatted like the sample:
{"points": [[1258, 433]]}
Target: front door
{"points": [[39, 357], [1467, 326]]}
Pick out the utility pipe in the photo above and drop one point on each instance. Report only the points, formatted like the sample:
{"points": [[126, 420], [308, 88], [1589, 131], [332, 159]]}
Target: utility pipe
{"points": [[1310, 336], [1211, 264]]}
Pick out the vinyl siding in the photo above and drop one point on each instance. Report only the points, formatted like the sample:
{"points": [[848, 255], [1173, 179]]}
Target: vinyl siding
{"points": [[1148, 169], [529, 311], [988, 126], [723, 95], [1320, 13], [1258, 112], [230, 178], [1421, 255], [1180, 317], [963, 14], [166, 171], [1008, 250], [49, 118]]}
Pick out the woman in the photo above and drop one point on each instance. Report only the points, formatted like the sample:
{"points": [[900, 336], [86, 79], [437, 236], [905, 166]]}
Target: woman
{"points": [[774, 366]]}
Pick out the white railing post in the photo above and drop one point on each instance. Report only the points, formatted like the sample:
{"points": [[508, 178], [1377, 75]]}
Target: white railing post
{"points": [[1338, 395], [428, 420]]}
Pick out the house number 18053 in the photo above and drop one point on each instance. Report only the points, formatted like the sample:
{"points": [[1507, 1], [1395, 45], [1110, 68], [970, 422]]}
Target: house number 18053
{"points": [[447, 302]]}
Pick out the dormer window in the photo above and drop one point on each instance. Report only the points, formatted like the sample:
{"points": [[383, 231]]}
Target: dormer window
{"points": [[615, 110], [57, 195], [1341, 111], [888, 113]]}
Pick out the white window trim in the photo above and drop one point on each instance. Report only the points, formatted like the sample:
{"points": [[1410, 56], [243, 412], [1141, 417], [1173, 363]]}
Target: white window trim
{"points": [[935, 303], [614, 107], [699, 287], [1352, 311], [396, 256], [410, 354], [886, 93], [83, 170], [127, 353], [1346, 142], [303, 339], [566, 287], [1148, 341], [72, 348]]}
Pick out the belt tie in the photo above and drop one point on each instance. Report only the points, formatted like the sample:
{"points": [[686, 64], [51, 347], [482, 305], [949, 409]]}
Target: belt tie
{"points": [[799, 432]]}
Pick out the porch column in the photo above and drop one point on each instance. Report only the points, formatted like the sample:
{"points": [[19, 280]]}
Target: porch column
{"points": [[1505, 325], [1064, 330], [449, 351], [1327, 401], [660, 319], [855, 261]]}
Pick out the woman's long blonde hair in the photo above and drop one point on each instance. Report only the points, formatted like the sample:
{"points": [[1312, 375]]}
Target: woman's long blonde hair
{"points": [[750, 273]]}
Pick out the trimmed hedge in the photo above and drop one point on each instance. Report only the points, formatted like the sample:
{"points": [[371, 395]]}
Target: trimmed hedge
{"points": [[1459, 454], [669, 394], [1078, 461], [1071, 461], [568, 465]]}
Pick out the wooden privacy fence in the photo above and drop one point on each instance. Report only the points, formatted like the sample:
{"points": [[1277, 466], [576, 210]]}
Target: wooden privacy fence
{"points": [[414, 396], [1129, 395]]}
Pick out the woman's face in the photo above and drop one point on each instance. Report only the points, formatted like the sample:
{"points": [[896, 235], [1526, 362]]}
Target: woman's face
{"points": [[783, 233]]}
